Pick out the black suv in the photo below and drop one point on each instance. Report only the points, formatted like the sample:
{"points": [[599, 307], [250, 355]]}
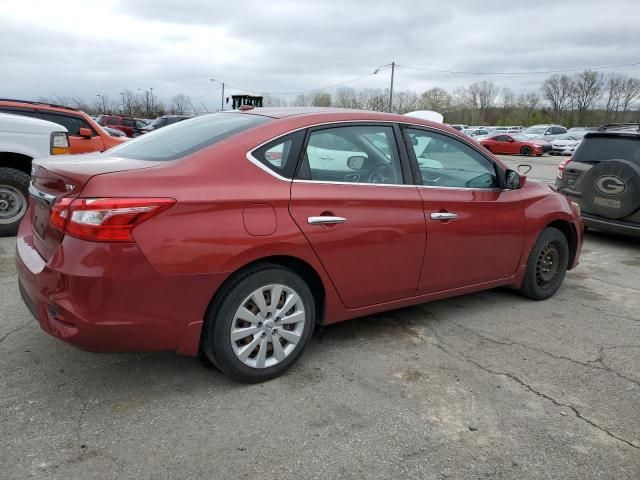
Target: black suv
{"points": [[603, 177], [165, 120]]}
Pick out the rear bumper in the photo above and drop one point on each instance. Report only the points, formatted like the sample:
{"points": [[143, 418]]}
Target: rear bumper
{"points": [[610, 225], [107, 298]]}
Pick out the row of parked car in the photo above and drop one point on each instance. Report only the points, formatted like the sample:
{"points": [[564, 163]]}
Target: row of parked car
{"points": [[535, 140], [119, 125]]}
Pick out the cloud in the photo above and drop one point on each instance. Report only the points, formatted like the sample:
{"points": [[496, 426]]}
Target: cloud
{"points": [[83, 48]]}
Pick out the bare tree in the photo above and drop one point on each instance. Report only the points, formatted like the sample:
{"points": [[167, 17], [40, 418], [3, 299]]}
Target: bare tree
{"points": [[373, 99], [179, 104], [405, 101], [302, 100], [485, 94], [630, 94], [614, 90], [436, 99], [273, 101], [587, 89], [346, 97], [321, 99], [527, 103], [557, 90]]}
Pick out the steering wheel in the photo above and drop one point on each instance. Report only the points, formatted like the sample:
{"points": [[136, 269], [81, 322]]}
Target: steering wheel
{"points": [[381, 173]]}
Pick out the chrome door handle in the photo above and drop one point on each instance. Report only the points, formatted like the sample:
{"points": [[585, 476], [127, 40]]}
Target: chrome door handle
{"points": [[443, 216], [325, 220], [325, 158]]}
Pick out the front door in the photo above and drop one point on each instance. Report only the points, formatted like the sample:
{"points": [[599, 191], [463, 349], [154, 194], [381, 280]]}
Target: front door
{"points": [[475, 229], [363, 220]]}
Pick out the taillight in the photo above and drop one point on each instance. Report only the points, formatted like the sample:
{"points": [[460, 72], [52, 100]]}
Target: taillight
{"points": [[563, 164], [59, 143], [105, 219]]}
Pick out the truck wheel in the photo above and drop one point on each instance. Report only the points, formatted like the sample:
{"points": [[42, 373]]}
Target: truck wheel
{"points": [[14, 199]]}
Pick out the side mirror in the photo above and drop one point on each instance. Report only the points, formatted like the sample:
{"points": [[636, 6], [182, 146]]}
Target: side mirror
{"points": [[513, 180], [85, 132], [356, 162], [547, 133]]}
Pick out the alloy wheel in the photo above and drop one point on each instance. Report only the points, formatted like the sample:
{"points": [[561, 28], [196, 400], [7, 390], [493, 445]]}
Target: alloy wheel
{"points": [[267, 326]]}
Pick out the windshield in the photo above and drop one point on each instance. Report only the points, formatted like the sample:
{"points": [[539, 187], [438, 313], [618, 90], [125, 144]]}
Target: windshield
{"points": [[519, 136], [535, 130], [183, 138]]}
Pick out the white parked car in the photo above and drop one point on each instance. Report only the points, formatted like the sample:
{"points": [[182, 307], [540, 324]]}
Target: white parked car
{"points": [[21, 140], [565, 142]]}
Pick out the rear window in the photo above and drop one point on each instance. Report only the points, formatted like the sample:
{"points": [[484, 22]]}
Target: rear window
{"points": [[597, 149], [184, 138]]}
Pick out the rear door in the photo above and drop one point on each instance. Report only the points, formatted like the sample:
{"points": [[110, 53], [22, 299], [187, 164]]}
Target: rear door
{"points": [[475, 229], [363, 217], [74, 123]]}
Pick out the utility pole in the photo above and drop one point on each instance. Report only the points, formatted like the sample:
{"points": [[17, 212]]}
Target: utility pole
{"points": [[151, 88], [221, 99], [393, 68]]}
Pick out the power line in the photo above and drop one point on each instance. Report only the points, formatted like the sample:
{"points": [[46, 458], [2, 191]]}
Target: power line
{"points": [[533, 72], [427, 69], [303, 91]]}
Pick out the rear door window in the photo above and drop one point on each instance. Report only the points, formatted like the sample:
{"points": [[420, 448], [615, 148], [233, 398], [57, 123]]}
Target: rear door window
{"points": [[281, 155]]}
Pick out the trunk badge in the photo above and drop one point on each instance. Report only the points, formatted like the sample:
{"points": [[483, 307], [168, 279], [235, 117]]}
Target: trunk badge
{"points": [[69, 188]]}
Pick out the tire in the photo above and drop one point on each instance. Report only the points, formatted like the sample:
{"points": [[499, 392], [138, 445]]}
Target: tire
{"points": [[539, 282], [14, 199], [263, 327], [526, 151]]}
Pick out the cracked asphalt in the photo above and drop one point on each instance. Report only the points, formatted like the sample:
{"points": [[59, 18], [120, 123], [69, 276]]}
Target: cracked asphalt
{"points": [[484, 385]]}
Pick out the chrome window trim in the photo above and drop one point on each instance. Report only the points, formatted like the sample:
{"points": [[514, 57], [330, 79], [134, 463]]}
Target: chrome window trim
{"points": [[263, 167], [41, 195], [331, 182]]}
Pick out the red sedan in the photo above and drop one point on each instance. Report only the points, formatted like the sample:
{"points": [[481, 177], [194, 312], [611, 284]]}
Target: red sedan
{"points": [[234, 234], [513, 145]]}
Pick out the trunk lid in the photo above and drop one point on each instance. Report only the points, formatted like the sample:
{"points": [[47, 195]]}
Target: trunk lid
{"points": [[66, 176]]}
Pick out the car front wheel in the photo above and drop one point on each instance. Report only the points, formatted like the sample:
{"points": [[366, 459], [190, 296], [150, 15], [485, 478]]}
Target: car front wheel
{"points": [[259, 324], [546, 266]]}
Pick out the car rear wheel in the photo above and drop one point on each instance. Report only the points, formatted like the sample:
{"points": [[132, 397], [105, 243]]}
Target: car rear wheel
{"points": [[14, 199], [546, 266], [259, 324], [525, 151]]}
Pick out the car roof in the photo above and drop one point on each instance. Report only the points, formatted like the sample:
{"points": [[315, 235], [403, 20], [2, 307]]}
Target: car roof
{"points": [[36, 104], [308, 116]]}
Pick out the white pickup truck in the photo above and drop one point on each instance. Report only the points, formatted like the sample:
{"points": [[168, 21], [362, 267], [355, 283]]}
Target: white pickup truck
{"points": [[21, 140]]}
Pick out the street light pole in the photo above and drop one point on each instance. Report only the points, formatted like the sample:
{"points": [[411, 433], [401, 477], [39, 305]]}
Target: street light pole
{"points": [[151, 88], [393, 68], [123, 105]]}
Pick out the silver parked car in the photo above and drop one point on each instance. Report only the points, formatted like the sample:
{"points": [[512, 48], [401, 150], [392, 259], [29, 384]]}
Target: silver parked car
{"points": [[545, 131]]}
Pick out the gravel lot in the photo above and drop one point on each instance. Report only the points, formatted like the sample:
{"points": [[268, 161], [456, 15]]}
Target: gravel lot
{"points": [[484, 385]]}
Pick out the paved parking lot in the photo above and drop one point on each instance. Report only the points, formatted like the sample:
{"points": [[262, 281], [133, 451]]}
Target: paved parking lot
{"points": [[485, 385]]}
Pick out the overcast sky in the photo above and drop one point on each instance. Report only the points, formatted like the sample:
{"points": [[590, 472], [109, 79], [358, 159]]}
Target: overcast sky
{"points": [[84, 48]]}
